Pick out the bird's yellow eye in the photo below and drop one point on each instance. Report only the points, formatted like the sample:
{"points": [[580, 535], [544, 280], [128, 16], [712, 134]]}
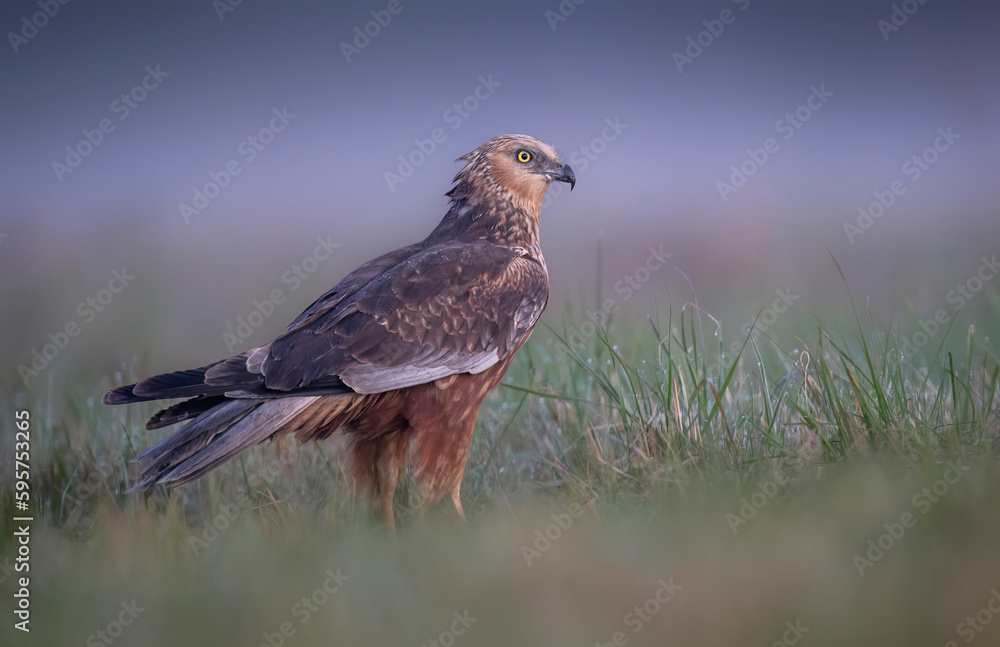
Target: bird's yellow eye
{"points": [[523, 156]]}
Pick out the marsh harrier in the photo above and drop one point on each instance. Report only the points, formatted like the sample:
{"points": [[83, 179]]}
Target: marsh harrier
{"points": [[398, 356]]}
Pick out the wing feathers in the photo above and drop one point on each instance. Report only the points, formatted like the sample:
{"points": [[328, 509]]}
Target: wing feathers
{"points": [[233, 372], [257, 424], [180, 384], [192, 431], [411, 317], [444, 309], [184, 410]]}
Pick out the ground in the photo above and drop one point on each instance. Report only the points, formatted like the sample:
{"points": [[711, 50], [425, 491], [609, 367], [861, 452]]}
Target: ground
{"points": [[636, 486]]}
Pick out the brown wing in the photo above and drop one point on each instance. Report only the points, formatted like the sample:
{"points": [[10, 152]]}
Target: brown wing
{"points": [[409, 317], [353, 281], [241, 374], [449, 308]]}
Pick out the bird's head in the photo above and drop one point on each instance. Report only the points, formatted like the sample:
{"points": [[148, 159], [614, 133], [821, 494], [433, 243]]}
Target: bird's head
{"points": [[518, 166]]}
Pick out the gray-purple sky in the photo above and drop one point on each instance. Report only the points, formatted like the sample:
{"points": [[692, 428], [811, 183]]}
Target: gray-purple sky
{"points": [[870, 95]]}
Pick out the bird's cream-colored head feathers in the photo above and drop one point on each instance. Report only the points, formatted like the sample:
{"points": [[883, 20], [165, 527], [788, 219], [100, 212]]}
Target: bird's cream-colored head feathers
{"points": [[519, 165]]}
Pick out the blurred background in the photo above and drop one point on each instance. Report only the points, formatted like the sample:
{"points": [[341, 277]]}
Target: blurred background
{"points": [[200, 149], [181, 179]]}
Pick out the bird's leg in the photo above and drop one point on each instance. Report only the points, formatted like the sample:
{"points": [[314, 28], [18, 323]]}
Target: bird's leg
{"points": [[456, 500], [389, 466], [387, 478]]}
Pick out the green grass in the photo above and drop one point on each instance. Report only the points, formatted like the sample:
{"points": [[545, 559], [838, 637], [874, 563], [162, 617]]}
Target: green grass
{"points": [[754, 479]]}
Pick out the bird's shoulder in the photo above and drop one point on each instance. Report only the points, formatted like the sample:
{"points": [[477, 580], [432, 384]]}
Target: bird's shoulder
{"points": [[446, 307], [412, 277], [351, 283]]}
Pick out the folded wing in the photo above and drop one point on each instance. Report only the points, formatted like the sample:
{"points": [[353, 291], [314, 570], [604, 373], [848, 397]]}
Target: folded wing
{"points": [[449, 308]]}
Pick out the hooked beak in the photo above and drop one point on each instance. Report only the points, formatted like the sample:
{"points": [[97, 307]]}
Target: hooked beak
{"points": [[565, 174]]}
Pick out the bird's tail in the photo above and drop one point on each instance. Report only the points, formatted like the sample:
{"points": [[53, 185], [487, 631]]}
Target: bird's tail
{"points": [[214, 437]]}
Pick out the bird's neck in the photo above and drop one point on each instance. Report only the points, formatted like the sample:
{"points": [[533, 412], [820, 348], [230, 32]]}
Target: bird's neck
{"points": [[492, 215]]}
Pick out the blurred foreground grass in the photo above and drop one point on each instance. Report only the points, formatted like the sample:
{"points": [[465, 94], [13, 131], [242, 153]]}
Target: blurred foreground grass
{"points": [[648, 481]]}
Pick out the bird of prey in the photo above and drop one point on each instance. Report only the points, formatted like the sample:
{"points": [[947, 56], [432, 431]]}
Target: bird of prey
{"points": [[398, 356]]}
